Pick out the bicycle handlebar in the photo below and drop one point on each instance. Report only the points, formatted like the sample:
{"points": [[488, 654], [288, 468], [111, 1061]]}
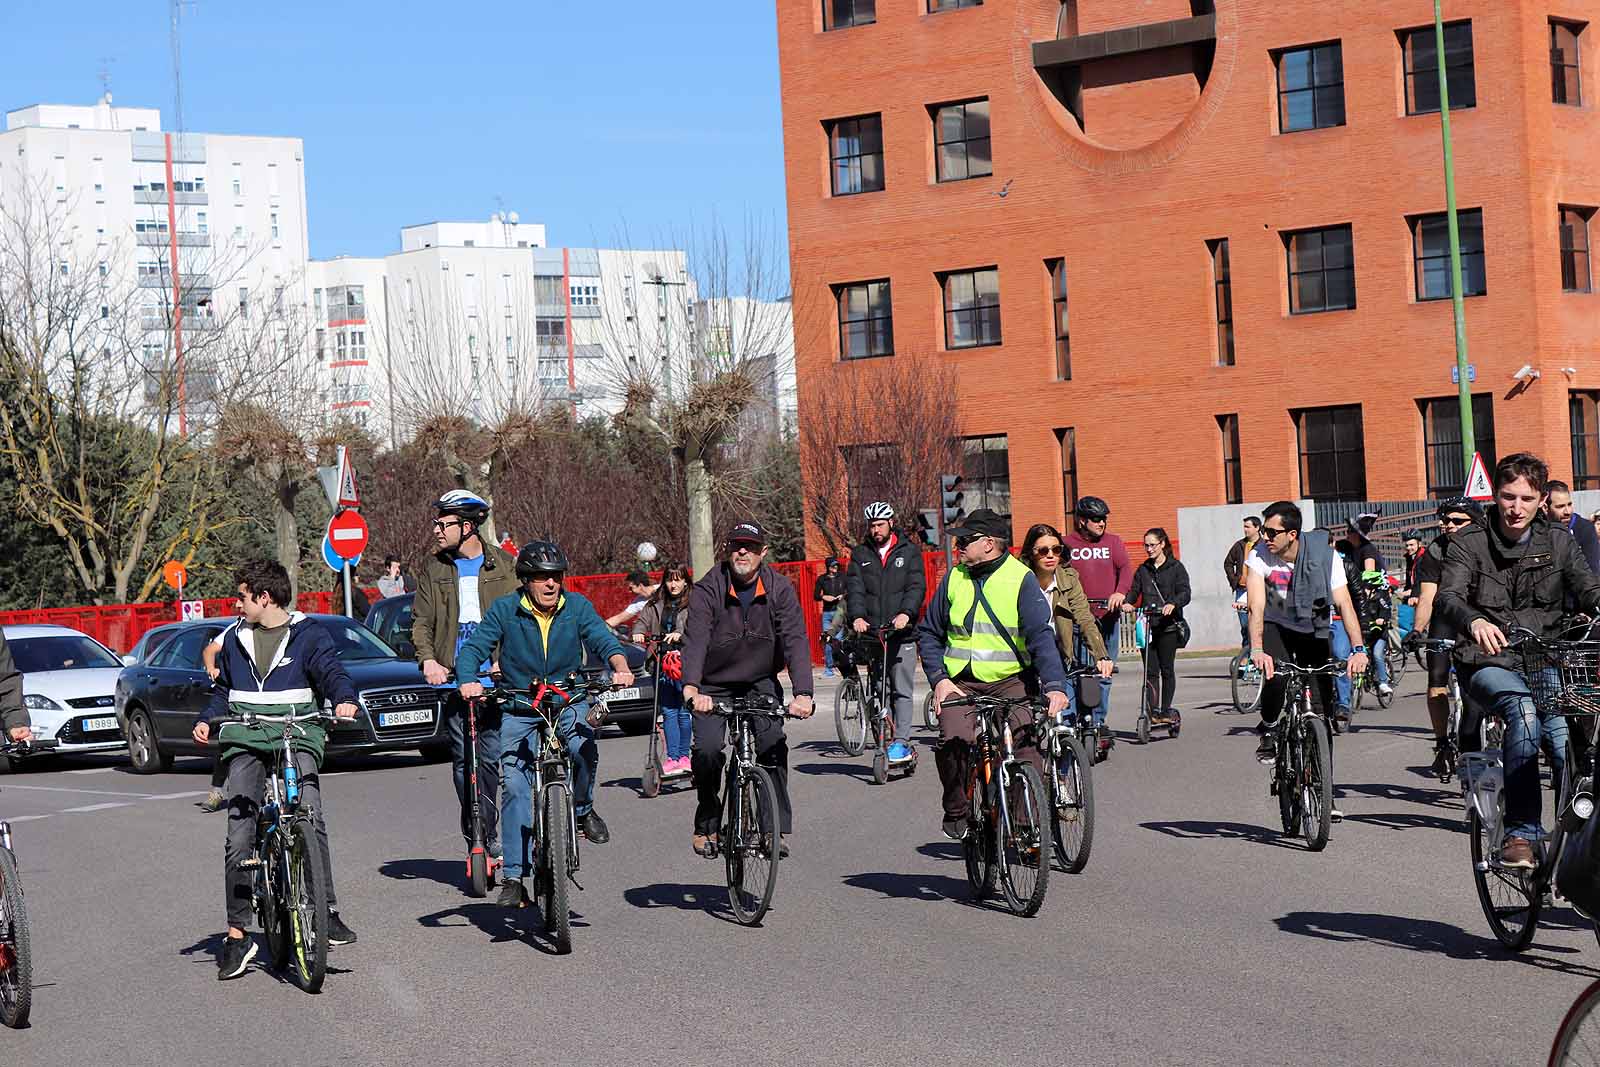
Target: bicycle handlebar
{"points": [[23, 749], [992, 703], [250, 718], [1333, 666], [761, 704]]}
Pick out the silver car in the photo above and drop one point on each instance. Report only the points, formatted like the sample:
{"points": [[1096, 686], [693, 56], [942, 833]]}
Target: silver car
{"points": [[68, 682]]}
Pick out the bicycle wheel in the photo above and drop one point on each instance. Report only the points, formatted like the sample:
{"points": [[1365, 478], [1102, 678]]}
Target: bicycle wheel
{"points": [[1073, 824], [850, 717], [1024, 863], [1358, 691], [1316, 786], [16, 954], [1578, 1039], [553, 909], [1245, 682], [930, 717], [751, 846], [271, 879], [307, 900], [1395, 657], [978, 848], [1509, 900]]}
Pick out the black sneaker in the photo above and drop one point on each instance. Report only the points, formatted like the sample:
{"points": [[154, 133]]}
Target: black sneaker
{"points": [[955, 829], [237, 952], [338, 932], [594, 827], [1267, 750], [513, 894]]}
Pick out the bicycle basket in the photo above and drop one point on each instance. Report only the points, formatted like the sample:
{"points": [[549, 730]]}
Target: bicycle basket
{"points": [[1565, 678]]}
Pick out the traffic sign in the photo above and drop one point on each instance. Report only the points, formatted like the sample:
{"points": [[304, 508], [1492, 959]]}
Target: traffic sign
{"points": [[191, 609], [175, 573], [347, 534], [1478, 487], [349, 497], [334, 563]]}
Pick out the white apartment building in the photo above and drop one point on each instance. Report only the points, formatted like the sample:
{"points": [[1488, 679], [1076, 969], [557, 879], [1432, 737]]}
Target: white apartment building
{"points": [[758, 334], [223, 214]]}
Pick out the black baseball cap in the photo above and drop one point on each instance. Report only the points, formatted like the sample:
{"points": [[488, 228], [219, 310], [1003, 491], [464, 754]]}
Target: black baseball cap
{"points": [[984, 522], [748, 533]]}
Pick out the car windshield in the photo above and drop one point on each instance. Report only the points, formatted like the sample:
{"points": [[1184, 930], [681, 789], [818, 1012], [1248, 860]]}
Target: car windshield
{"points": [[69, 652], [354, 641]]}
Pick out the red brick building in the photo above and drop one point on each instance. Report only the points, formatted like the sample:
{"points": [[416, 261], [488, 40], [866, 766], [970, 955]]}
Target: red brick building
{"points": [[1190, 253]]}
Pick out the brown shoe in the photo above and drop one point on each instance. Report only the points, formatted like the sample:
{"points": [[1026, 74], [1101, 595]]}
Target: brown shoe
{"points": [[1518, 852]]}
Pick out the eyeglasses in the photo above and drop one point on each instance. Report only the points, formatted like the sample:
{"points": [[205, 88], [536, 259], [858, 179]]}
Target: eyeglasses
{"points": [[963, 542], [1041, 551], [745, 547], [1152, 545], [445, 524], [549, 576], [1454, 521]]}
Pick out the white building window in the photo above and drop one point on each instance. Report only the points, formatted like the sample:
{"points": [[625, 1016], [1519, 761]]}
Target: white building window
{"points": [[316, 303], [238, 236], [200, 222], [274, 225], [244, 301], [272, 179], [585, 294]]}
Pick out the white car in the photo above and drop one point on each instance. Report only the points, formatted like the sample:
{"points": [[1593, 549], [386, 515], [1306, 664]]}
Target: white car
{"points": [[68, 679]]}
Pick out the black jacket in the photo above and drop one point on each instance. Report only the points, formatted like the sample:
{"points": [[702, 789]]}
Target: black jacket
{"points": [[726, 650], [1512, 585], [13, 712], [829, 585], [878, 591], [1588, 539], [1153, 587]]}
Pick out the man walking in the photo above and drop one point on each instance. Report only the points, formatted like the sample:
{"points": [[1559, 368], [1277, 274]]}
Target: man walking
{"points": [[829, 591], [1233, 567]]}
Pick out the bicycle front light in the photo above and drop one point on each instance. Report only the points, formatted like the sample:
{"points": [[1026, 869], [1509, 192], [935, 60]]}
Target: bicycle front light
{"points": [[1583, 799]]}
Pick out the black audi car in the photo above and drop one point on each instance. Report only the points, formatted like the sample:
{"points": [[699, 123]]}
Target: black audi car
{"points": [[158, 699], [630, 709]]}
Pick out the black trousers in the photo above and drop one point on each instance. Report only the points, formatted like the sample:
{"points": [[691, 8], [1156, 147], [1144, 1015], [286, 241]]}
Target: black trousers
{"points": [[708, 761], [1304, 650], [1160, 666], [247, 780]]}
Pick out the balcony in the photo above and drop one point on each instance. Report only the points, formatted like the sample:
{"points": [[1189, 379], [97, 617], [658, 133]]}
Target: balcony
{"points": [[191, 282], [1075, 64], [159, 196], [191, 321], [157, 239]]}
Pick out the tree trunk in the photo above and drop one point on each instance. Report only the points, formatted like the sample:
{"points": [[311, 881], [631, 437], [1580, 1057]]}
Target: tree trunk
{"points": [[287, 530], [702, 539]]}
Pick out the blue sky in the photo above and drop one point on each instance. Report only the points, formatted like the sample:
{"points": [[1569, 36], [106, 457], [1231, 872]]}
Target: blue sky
{"points": [[585, 116]]}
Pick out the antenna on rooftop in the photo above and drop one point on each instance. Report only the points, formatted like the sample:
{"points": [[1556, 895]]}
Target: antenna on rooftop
{"points": [[104, 74]]}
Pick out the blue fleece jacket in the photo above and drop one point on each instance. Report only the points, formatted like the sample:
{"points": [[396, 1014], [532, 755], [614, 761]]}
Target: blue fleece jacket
{"points": [[524, 656]]}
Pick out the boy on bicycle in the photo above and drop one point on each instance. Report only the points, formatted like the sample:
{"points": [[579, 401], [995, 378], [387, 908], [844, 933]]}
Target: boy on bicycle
{"points": [[273, 662], [1514, 570], [539, 634]]}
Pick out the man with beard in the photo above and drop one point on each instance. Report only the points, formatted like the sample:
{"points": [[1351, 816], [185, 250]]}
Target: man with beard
{"points": [[886, 586], [745, 627]]}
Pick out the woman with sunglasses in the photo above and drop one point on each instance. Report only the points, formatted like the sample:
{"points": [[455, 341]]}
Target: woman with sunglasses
{"points": [[1043, 550], [1455, 515], [1161, 583]]}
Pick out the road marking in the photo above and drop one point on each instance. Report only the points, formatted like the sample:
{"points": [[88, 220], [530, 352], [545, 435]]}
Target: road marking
{"points": [[97, 807], [64, 789], [176, 796], [91, 770], [30, 818]]}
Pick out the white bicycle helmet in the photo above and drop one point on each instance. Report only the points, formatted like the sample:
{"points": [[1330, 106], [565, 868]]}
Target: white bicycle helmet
{"points": [[879, 509]]}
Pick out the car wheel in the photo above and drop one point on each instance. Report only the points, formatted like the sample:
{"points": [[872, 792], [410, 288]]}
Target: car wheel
{"points": [[144, 749]]}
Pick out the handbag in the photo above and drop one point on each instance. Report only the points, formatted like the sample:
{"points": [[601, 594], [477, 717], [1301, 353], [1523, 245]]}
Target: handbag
{"points": [[1184, 633], [1578, 871]]}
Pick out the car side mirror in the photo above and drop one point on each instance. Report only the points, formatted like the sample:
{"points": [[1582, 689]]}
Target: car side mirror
{"points": [[130, 660], [406, 649]]}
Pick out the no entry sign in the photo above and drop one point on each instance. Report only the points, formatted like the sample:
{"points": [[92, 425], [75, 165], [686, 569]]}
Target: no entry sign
{"points": [[347, 534]]}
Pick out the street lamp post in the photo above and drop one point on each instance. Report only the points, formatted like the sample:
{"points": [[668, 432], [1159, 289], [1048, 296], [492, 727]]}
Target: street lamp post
{"points": [[1469, 445]]}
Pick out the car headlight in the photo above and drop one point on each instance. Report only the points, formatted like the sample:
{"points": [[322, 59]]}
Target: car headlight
{"points": [[40, 702]]}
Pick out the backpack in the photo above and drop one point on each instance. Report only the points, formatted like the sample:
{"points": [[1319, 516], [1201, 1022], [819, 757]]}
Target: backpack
{"points": [[1369, 592]]}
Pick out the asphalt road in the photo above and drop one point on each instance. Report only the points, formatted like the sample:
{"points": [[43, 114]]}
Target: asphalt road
{"points": [[1196, 935]]}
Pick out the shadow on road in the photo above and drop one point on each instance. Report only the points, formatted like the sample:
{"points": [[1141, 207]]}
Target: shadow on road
{"points": [[824, 747], [1420, 935], [207, 948], [1196, 829], [1401, 820], [501, 924], [446, 872], [901, 885], [941, 850], [711, 899], [1405, 794], [858, 771]]}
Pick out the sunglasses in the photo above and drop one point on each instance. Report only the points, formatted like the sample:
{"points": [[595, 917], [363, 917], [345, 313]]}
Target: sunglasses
{"points": [[744, 546], [441, 524], [1047, 550], [1455, 522], [1272, 533], [963, 542]]}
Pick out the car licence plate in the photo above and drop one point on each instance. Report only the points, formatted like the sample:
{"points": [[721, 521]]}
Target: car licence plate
{"points": [[405, 718], [622, 694], [104, 722]]}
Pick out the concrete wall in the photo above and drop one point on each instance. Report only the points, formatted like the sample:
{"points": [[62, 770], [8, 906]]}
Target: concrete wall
{"points": [[1204, 537]]}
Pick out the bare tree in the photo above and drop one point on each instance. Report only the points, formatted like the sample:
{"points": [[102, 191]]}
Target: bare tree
{"points": [[881, 430]]}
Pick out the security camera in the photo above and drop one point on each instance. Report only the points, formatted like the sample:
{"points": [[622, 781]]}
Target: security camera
{"points": [[1526, 371]]}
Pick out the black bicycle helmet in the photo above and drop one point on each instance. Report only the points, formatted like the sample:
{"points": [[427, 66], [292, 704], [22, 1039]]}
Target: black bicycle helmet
{"points": [[1092, 508], [1452, 504], [540, 557], [459, 502]]}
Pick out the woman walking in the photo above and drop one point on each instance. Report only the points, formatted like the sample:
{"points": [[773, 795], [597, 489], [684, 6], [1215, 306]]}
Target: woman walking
{"points": [[1069, 607], [664, 615], [1162, 584]]}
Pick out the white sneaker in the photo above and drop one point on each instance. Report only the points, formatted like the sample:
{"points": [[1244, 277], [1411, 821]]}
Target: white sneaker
{"points": [[1335, 815], [1386, 689]]}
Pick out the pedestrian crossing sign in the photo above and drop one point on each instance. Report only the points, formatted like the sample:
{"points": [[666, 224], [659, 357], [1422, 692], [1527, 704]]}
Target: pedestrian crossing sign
{"points": [[1478, 487]]}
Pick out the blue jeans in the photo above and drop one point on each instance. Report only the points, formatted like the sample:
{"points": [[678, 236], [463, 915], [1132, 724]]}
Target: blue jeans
{"points": [[1108, 632], [677, 724], [517, 759], [827, 646], [1505, 693], [1339, 644]]}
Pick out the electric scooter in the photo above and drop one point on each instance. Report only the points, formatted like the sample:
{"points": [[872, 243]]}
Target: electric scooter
{"points": [[481, 867], [654, 775]]}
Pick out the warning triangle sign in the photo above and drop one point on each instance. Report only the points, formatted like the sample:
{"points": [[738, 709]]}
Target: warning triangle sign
{"points": [[349, 497], [1478, 487]]}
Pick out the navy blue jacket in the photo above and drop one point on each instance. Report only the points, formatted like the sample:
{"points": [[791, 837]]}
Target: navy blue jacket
{"points": [[308, 667]]}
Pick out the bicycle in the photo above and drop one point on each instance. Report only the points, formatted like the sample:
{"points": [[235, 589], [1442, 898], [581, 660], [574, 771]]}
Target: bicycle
{"points": [[1560, 675], [1579, 1034], [1149, 693], [1303, 757], [876, 701], [1245, 681], [750, 842], [16, 942], [1068, 770], [481, 866], [1005, 812], [1451, 753], [290, 889]]}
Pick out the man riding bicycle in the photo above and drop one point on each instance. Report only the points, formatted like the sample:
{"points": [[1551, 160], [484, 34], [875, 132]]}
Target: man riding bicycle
{"points": [[1455, 514], [988, 632], [457, 585], [745, 627], [885, 586], [1295, 583], [1514, 570], [538, 635], [273, 662]]}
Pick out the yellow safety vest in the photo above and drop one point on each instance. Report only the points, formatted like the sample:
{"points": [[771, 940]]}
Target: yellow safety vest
{"points": [[976, 640]]}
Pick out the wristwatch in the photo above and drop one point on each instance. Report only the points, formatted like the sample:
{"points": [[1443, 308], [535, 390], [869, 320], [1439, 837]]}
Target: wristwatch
{"points": [[1359, 648]]}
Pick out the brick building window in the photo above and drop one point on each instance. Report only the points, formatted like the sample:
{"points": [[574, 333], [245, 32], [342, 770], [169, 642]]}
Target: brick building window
{"points": [[842, 14], [1421, 54], [872, 472], [1067, 442], [1566, 84], [961, 141], [986, 474], [1583, 413], [1222, 287], [1441, 440], [1333, 460], [951, 5], [1430, 252], [1574, 226], [1058, 318], [866, 321], [1322, 270], [855, 150], [1310, 88], [971, 307], [1232, 481]]}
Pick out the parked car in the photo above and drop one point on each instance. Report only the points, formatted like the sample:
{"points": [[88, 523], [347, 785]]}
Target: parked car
{"points": [[630, 709], [68, 680], [149, 642], [157, 702]]}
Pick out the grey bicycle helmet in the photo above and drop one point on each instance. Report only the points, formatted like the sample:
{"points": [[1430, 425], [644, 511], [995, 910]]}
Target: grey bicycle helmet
{"points": [[461, 503], [1092, 508], [540, 557]]}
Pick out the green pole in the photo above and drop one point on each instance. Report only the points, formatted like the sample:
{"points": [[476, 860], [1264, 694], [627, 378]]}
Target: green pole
{"points": [[1469, 444]]}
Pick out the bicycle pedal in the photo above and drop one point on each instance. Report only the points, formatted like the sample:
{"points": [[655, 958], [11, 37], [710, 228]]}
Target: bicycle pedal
{"points": [[251, 864]]}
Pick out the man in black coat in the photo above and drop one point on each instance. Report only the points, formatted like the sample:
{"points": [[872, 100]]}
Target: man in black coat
{"points": [[885, 586]]}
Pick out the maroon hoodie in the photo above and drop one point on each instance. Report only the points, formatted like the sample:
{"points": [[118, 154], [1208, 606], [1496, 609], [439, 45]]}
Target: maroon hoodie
{"points": [[1103, 565]]}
